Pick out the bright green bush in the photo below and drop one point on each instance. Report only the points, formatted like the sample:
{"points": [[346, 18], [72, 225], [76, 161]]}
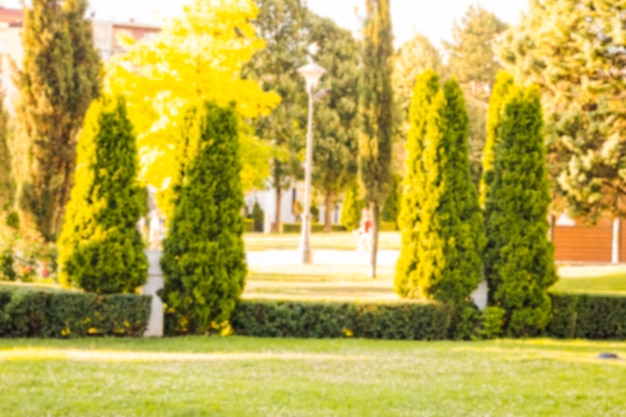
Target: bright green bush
{"points": [[352, 208], [519, 253], [391, 209], [407, 321], [31, 313], [203, 253], [492, 320], [100, 248], [407, 280], [445, 228]]}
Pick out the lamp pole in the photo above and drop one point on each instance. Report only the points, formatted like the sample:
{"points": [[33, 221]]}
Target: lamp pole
{"points": [[311, 73]]}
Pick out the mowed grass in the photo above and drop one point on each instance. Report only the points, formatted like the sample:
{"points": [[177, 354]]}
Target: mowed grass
{"points": [[336, 240], [236, 376], [350, 283]]}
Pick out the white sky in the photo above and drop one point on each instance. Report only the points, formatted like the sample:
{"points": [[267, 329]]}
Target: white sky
{"points": [[433, 18]]}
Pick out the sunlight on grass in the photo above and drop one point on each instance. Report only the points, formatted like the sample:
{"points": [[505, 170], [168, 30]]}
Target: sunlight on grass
{"points": [[336, 240]]}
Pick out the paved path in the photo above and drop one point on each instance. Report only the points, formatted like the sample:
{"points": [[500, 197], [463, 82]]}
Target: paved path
{"points": [[320, 257]]}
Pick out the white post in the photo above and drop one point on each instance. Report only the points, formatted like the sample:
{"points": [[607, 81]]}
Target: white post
{"points": [[616, 241], [153, 285], [305, 244]]}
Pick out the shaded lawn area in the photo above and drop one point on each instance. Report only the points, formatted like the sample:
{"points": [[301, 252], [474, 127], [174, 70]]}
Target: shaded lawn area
{"points": [[614, 283], [336, 240], [236, 376]]}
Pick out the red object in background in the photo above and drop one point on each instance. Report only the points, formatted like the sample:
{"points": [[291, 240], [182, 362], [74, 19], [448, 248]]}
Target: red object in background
{"points": [[367, 226]]}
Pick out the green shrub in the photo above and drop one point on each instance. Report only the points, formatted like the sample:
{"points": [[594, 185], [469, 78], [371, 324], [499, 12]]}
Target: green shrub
{"points": [[464, 321], [29, 313], [407, 321], [391, 209], [203, 258], [492, 320], [584, 316], [258, 216], [519, 255], [249, 225], [351, 208], [100, 248], [7, 265], [315, 228]]}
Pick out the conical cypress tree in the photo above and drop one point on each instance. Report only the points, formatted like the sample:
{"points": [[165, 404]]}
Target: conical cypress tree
{"points": [[100, 248], [203, 257], [7, 185], [413, 191], [351, 208], [58, 78], [504, 82], [521, 256], [450, 235]]}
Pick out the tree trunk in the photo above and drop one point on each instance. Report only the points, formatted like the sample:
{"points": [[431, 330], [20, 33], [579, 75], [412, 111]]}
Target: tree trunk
{"points": [[328, 213], [374, 245], [279, 194]]}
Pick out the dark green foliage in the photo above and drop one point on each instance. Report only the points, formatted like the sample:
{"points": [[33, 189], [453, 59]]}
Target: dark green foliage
{"points": [[29, 313], [391, 209], [203, 257], [413, 195], [376, 119], [411, 321], [7, 265], [57, 80], [582, 316], [352, 208], [258, 216], [519, 254], [444, 235], [465, 321], [335, 144], [101, 249], [315, 228]]}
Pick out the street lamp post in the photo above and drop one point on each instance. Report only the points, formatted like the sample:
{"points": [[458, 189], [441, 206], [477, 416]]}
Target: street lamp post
{"points": [[312, 74]]}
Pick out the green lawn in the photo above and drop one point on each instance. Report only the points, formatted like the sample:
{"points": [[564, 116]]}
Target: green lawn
{"points": [[262, 377], [335, 240], [613, 283]]}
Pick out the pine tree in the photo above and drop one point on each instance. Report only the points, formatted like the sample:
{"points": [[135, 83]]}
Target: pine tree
{"points": [[413, 191], [450, 233], [203, 256], [335, 144], [520, 255], [352, 208], [100, 247], [7, 184], [574, 51], [57, 81], [376, 113], [391, 209]]}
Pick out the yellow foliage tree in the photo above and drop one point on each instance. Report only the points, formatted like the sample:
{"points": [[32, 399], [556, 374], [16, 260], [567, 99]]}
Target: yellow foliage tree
{"points": [[196, 57]]}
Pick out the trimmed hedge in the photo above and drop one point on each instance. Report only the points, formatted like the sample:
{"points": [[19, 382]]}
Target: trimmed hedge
{"points": [[315, 228], [582, 316], [30, 313], [406, 321]]}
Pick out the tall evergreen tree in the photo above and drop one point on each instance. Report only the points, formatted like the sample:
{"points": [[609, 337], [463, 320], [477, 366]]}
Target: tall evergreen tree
{"points": [[203, 256], [376, 113], [500, 93], [450, 235], [352, 207], [519, 253], [7, 182], [407, 281], [100, 248], [58, 79], [335, 145], [282, 25]]}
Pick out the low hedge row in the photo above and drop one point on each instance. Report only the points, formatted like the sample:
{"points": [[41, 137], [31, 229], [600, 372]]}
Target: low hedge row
{"points": [[406, 321], [28, 313], [315, 228], [582, 316]]}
